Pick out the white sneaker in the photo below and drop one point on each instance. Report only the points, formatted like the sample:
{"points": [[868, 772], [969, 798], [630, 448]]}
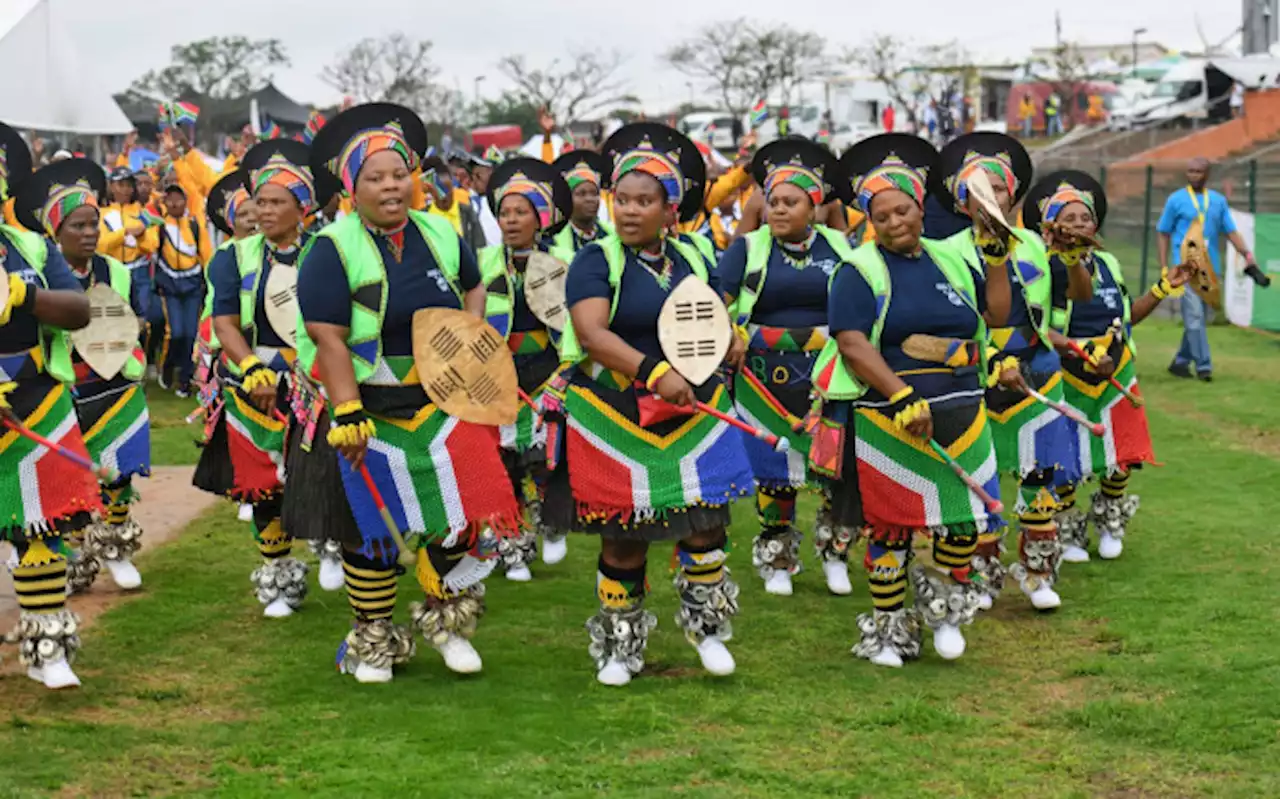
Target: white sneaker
{"points": [[887, 657], [1074, 554], [779, 583], [554, 550], [985, 602], [124, 573], [519, 574], [331, 576], [1109, 548], [459, 655], [246, 512], [372, 674], [948, 641], [278, 609], [837, 572], [55, 675], [1044, 597], [715, 656], [615, 672]]}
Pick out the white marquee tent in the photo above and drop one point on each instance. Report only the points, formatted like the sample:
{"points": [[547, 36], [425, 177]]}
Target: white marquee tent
{"points": [[53, 93]]}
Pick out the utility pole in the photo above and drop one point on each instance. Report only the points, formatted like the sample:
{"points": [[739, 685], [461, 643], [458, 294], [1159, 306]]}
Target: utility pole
{"points": [[1260, 21]]}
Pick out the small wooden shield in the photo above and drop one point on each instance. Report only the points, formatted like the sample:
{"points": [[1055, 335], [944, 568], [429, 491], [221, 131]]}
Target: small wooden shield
{"points": [[282, 302], [544, 279], [465, 366], [111, 335], [1195, 256], [980, 189], [694, 330]]}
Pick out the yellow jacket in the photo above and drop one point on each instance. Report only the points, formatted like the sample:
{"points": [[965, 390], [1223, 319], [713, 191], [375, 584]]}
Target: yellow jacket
{"points": [[119, 244], [726, 185], [184, 243]]}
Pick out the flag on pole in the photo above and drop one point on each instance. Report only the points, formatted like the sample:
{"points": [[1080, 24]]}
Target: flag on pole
{"points": [[759, 114], [314, 123], [270, 130], [493, 154]]}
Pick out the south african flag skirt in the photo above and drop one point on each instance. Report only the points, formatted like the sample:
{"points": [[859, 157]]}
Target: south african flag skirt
{"points": [[116, 425], [42, 492], [776, 402], [1028, 435], [1127, 440], [906, 486], [534, 368]]}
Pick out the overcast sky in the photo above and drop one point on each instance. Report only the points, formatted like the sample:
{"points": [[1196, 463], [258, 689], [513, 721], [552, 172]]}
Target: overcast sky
{"points": [[121, 39]]}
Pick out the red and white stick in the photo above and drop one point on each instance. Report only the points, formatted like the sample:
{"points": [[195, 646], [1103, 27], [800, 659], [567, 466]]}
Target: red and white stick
{"points": [[780, 444]]}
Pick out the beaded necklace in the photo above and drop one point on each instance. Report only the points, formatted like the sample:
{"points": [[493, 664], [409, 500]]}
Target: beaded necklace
{"points": [[657, 264], [798, 253]]}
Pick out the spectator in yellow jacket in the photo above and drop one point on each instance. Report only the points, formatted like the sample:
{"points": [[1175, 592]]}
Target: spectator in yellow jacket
{"points": [[185, 250]]}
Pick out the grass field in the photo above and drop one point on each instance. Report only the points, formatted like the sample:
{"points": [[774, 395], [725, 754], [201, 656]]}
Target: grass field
{"points": [[1156, 678]]}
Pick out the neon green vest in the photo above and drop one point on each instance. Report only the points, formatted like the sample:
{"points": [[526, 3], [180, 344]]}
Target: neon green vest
{"points": [[564, 239], [1113, 268], [704, 245], [1037, 289], [759, 245], [367, 283], [570, 349], [122, 283], [831, 377], [54, 340], [499, 292], [208, 297]]}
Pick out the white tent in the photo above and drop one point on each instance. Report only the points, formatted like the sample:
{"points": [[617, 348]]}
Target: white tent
{"points": [[46, 87]]}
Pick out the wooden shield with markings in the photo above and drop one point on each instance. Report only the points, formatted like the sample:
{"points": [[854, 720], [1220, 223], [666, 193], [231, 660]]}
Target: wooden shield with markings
{"points": [[106, 343], [980, 189], [694, 330], [465, 366], [1195, 256], [544, 278], [282, 302]]}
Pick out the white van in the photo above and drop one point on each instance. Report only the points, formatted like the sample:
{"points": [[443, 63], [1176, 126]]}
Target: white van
{"points": [[713, 127]]}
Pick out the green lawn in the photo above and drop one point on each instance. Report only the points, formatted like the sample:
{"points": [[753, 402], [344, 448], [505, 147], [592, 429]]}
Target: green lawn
{"points": [[1154, 679], [172, 439]]}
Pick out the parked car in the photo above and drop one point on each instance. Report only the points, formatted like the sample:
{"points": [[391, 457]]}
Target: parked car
{"points": [[712, 127]]}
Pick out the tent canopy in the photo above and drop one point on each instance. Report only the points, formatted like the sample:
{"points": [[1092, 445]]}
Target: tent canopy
{"points": [[53, 92]]}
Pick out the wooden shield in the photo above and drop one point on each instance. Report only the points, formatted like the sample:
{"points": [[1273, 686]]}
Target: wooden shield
{"points": [[980, 189], [544, 278], [111, 335], [282, 302], [465, 366], [1195, 256], [694, 330]]}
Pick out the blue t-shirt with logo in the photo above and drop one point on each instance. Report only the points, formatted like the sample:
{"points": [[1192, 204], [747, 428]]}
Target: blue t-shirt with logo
{"points": [[23, 331], [790, 297], [1180, 211]]}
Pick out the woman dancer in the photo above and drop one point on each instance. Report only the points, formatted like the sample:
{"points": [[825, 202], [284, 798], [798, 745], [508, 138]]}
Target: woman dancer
{"points": [[531, 202], [61, 201], [640, 468], [584, 172], [775, 281], [442, 480], [1070, 207], [906, 369], [45, 495]]}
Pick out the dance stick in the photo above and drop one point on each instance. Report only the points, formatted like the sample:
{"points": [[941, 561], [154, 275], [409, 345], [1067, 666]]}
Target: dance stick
{"points": [[406, 558], [1097, 428], [527, 400], [196, 414], [993, 505], [1133, 400], [103, 473], [780, 444], [773, 402]]}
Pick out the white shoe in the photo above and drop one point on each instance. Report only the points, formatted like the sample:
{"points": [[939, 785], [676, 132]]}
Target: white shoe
{"points": [[459, 655], [12, 562], [372, 674], [55, 675], [779, 583], [985, 602], [1109, 548], [331, 576], [152, 373], [837, 572], [948, 642], [715, 656], [1044, 597], [519, 574], [1074, 554], [554, 550], [246, 512], [887, 657], [278, 609], [124, 573], [615, 672]]}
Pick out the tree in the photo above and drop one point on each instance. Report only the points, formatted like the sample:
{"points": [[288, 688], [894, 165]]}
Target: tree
{"points": [[220, 67], [1069, 75], [510, 108], [573, 90], [914, 75], [394, 69]]}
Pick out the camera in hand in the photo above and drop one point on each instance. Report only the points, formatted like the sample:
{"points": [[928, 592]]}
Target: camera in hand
{"points": [[1257, 275]]}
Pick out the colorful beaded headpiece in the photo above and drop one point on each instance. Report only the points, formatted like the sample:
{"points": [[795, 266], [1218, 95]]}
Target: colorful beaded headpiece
{"points": [[1063, 196], [809, 180], [892, 173], [999, 166], [231, 205], [539, 194], [62, 201], [280, 171], [363, 145], [579, 174], [663, 166]]}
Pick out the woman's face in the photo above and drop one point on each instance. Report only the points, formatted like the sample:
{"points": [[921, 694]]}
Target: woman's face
{"points": [[898, 221], [586, 202], [790, 212], [122, 191], [246, 219], [1078, 219], [78, 236], [279, 215], [518, 222], [384, 189], [640, 209]]}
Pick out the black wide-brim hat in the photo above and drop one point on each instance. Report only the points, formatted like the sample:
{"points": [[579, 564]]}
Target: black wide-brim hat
{"points": [[953, 157], [216, 204], [334, 136], [596, 162], [35, 190], [17, 160], [539, 172], [672, 143], [809, 155], [870, 154], [296, 153], [1033, 205]]}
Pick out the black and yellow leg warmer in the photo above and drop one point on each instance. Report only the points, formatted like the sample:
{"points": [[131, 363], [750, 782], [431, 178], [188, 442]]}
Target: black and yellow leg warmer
{"points": [[886, 563], [273, 542], [40, 579], [371, 586]]}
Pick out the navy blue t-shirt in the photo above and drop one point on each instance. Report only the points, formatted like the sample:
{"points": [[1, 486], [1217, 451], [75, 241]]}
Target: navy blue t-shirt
{"points": [[1094, 317], [640, 297], [413, 283], [791, 296], [23, 331], [224, 276]]}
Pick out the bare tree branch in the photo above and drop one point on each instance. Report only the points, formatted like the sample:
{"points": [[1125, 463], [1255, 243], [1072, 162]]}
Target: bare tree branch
{"points": [[570, 91], [912, 75], [394, 69]]}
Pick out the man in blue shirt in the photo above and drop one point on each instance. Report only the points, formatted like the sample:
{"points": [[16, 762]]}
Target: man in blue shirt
{"points": [[1183, 208]]}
